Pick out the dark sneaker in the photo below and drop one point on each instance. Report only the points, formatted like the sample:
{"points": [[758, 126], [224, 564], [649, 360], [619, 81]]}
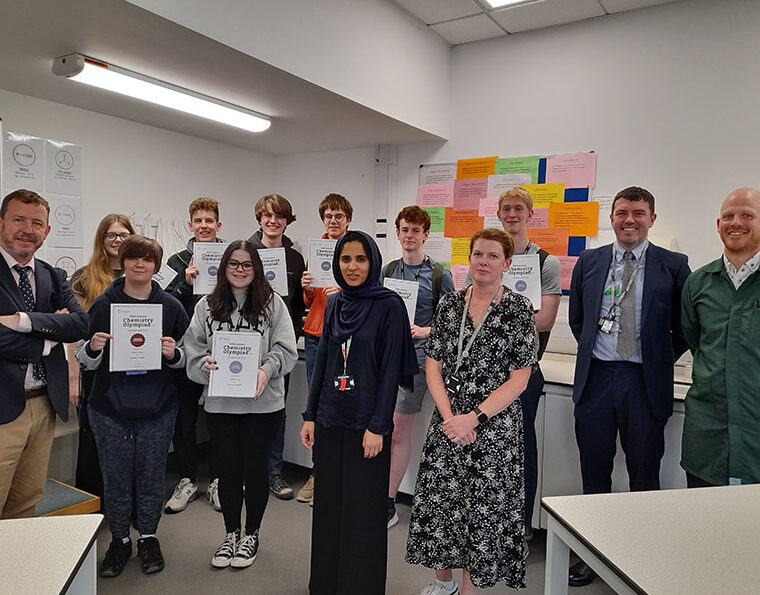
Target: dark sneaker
{"points": [[392, 517], [223, 556], [151, 559], [247, 548], [116, 558], [280, 488]]}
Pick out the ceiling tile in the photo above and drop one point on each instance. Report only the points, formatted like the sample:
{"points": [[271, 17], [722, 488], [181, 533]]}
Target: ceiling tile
{"points": [[469, 29], [437, 11], [545, 13], [623, 5]]}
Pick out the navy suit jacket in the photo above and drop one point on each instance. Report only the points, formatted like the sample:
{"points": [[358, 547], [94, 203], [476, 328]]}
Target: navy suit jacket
{"points": [[19, 350], [662, 341]]}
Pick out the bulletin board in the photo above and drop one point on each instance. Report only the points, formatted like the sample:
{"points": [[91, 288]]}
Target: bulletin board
{"points": [[462, 198]]}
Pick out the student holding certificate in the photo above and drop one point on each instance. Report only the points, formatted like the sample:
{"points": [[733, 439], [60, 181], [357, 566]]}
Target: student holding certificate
{"points": [[242, 426], [132, 412], [365, 353]]}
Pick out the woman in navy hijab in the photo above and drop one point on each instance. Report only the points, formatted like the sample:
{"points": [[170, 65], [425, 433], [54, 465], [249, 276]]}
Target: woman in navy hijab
{"points": [[365, 353]]}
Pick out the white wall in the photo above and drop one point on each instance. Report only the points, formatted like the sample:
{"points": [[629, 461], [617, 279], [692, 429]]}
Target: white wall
{"points": [[129, 167], [365, 50], [667, 96]]}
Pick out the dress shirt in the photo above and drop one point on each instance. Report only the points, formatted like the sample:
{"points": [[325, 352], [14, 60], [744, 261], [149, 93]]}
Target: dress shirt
{"points": [[739, 276], [605, 345]]}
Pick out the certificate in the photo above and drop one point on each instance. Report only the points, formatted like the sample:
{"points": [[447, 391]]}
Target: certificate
{"points": [[408, 291], [207, 256], [275, 270], [320, 262], [237, 361], [136, 343], [524, 277]]}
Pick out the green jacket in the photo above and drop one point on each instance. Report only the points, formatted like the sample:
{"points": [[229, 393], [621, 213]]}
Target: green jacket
{"points": [[721, 434]]}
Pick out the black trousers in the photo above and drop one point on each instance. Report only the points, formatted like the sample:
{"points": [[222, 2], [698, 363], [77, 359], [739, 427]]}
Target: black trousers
{"points": [[88, 476], [529, 401], [241, 444], [349, 534], [185, 438], [614, 400]]}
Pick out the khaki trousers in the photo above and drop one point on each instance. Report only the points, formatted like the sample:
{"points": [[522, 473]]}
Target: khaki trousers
{"points": [[24, 455]]}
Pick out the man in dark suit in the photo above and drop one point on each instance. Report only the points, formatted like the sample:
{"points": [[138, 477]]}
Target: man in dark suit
{"points": [[38, 312], [625, 313]]}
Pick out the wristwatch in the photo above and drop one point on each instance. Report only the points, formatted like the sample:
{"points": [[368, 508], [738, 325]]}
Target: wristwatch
{"points": [[482, 417]]}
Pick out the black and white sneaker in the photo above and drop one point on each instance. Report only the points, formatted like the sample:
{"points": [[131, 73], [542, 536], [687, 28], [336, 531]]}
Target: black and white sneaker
{"points": [[116, 558], [280, 487], [226, 551], [247, 549], [151, 558]]}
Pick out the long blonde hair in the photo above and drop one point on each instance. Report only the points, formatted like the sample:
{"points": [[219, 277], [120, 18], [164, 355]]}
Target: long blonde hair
{"points": [[97, 275]]}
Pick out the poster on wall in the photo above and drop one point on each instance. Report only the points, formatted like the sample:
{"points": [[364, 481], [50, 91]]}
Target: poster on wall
{"points": [[23, 165], [63, 168], [68, 259], [65, 221]]}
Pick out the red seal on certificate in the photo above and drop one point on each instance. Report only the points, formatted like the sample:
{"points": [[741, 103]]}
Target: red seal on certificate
{"points": [[137, 340]]}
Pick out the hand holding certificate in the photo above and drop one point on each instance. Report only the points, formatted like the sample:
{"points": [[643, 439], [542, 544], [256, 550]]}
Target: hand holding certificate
{"points": [[206, 256], [136, 343], [237, 365], [320, 262]]}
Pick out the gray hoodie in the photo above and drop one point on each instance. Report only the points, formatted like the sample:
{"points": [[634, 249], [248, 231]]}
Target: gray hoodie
{"points": [[278, 355]]}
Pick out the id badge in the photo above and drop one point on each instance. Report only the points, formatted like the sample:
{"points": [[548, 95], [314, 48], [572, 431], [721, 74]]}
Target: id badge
{"points": [[344, 383], [606, 325], [453, 384]]}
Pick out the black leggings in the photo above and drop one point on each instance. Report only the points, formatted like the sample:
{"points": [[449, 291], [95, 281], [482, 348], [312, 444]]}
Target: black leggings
{"points": [[241, 444]]}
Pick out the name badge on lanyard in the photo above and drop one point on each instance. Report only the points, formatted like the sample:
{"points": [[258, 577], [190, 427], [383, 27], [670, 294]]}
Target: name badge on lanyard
{"points": [[344, 382]]}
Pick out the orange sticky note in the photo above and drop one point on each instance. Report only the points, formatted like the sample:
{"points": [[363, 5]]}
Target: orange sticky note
{"points": [[461, 224], [482, 167], [579, 218], [553, 240]]}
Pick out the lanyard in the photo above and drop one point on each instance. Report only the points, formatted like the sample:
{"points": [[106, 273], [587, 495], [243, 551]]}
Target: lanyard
{"points": [[624, 292], [419, 270], [345, 347], [461, 354]]}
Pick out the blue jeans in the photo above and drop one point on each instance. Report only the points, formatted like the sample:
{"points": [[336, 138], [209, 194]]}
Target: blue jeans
{"points": [[132, 458]]}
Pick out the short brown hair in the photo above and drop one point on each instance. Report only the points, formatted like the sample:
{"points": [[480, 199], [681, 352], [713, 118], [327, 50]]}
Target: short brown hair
{"points": [[635, 193], [27, 197], [138, 246], [497, 235], [279, 204], [518, 193], [416, 215], [336, 202], [204, 204]]}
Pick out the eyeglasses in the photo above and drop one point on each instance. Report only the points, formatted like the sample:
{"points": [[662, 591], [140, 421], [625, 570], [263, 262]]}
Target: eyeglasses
{"points": [[234, 265], [336, 216], [111, 236]]}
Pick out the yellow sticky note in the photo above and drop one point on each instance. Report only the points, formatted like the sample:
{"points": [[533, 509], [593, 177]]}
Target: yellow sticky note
{"points": [[545, 194], [579, 218], [460, 250]]}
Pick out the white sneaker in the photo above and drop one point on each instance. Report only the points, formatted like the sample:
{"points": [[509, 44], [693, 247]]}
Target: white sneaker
{"points": [[247, 549], [212, 495], [185, 492], [226, 552], [436, 588]]}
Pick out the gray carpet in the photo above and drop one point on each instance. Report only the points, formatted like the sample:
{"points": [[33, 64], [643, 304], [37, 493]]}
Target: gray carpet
{"points": [[189, 539]]}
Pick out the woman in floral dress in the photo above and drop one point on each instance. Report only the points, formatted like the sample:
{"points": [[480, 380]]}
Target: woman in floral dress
{"points": [[469, 498]]}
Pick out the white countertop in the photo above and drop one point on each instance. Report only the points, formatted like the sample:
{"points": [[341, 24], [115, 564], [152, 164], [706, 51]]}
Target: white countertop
{"points": [[672, 542], [41, 555]]}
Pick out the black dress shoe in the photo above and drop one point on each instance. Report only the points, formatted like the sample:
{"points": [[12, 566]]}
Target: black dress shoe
{"points": [[581, 575]]}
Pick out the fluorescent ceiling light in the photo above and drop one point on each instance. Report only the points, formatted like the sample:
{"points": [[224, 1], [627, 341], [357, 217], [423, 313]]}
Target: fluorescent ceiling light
{"points": [[503, 3], [112, 78]]}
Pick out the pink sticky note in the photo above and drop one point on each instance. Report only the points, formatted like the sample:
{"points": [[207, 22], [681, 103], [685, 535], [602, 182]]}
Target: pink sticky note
{"points": [[489, 207], [566, 266], [459, 274], [436, 195], [468, 192], [540, 218], [574, 171]]}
